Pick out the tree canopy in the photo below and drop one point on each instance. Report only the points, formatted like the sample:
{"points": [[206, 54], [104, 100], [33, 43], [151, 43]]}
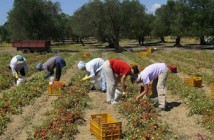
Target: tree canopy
{"points": [[108, 21]]}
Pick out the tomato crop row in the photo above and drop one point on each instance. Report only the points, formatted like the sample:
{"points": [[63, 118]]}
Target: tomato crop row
{"points": [[14, 98]]}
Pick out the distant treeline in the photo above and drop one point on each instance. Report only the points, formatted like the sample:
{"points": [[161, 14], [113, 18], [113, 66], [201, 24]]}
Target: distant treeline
{"points": [[108, 21]]}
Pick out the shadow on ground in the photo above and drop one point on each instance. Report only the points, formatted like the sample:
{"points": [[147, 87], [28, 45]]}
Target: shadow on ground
{"points": [[171, 105]]}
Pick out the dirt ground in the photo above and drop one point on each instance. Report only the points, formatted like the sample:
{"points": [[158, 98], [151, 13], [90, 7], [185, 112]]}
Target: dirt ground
{"points": [[187, 127]]}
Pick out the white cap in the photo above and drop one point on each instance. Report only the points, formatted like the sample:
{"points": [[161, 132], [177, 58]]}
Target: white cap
{"points": [[81, 65], [137, 79]]}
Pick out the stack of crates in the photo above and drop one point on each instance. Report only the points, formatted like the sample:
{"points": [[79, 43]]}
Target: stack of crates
{"points": [[55, 88], [193, 81], [197, 82], [104, 127], [212, 90]]}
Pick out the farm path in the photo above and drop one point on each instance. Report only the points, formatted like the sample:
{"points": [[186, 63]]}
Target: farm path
{"points": [[7, 49], [33, 114], [97, 106], [176, 116]]}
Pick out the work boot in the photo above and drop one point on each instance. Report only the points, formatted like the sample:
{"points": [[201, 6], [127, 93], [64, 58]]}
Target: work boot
{"points": [[114, 102], [103, 91], [160, 109]]}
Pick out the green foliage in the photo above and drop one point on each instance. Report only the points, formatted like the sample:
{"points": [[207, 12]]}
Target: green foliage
{"points": [[36, 19], [110, 20]]}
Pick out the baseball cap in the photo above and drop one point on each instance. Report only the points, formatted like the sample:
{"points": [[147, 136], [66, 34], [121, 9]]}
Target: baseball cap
{"points": [[20, 59]]}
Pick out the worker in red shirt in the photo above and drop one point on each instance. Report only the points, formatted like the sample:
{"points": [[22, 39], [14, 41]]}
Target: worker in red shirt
{"points": [[115, 71]]}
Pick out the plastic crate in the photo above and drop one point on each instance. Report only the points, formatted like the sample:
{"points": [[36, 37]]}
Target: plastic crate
{"points": [[149, 50], [197, 82], [143, 54], [55, 88], [212, 90], [104, 127], [189, 81], [193, 81]]}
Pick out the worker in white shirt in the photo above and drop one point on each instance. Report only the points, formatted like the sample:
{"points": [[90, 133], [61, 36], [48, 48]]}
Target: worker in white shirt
{"points": [[92, 69], [157, 73], [19, 66]]}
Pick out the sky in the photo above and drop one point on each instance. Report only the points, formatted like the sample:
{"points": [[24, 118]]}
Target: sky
{"points": [[69, 6]]}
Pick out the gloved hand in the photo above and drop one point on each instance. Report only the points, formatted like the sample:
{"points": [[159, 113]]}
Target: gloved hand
{"points": [[16, 75], [85, 78]]}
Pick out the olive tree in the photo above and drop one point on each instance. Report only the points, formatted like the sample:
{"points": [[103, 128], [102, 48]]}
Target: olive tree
{"points": [[34, 19]]}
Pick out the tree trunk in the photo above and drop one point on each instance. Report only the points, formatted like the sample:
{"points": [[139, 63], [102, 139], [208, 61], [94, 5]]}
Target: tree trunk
{"points": [[82, 42], [162, 40], [116, 45], [202, 42], [77, 40], [141, 40], [177, 42], [63, 41], [110, 43]]}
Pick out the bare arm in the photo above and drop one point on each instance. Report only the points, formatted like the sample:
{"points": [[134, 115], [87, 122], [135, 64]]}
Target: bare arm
{"points": [[122, 80], [144, 92]]}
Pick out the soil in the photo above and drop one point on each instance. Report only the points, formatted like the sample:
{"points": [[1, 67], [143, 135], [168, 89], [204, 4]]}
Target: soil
{"points": [[186, 127]]}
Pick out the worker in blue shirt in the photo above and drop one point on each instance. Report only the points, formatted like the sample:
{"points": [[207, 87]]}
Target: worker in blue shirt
{"points": [[49, 66]]}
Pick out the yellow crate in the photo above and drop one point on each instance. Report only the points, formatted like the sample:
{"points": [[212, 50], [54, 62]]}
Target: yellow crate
{"points": [[85, 55], [212, 90], [189, 81], [193, 81], [197, 81], [149, 50], [104, 127], [55, 88], [143, 54]]}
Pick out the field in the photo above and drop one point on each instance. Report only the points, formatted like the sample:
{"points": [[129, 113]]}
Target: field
{"points": [[27, 112]]}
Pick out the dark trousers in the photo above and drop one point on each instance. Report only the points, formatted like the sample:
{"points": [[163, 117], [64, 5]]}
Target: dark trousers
{"points": [[22, 72]]}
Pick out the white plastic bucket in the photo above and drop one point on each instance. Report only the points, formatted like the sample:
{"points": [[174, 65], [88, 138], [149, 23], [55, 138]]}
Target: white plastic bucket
{"points": [[96, 81], [51, 80], [20, 80], [117, 95]]}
